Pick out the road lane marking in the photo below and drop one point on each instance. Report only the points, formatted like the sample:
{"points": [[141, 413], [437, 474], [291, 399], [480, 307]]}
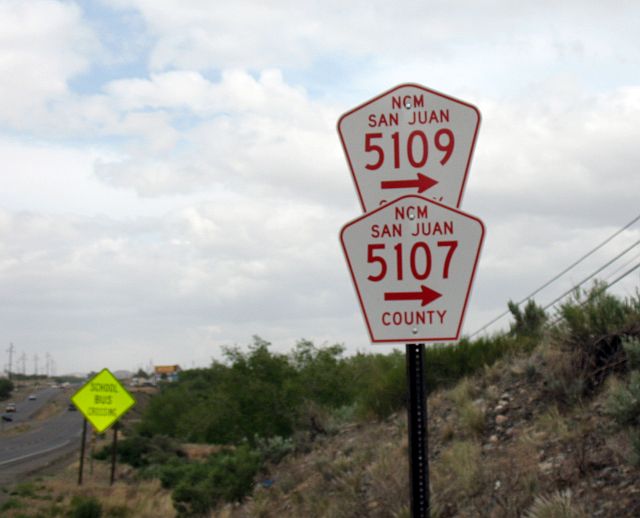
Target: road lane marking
{"points": [[15, 459]]}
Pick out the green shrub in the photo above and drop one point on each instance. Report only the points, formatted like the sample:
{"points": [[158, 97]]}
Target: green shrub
{"points": [[631, 346], [25, 489], [591, 314], [261, 394], [118, 511], [55, 510], [379, 382], [226, 476], [446, 364], [11, 503], [257, 393], [274, 449], [529, 323], [139, 450], [323, 374], [634, 436], [624, 401], [590, 333], [85, 507], [6, 386]]}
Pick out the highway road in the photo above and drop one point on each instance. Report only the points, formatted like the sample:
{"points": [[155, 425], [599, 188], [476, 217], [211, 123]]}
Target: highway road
{"points": [[42, 443], [26, 409]]}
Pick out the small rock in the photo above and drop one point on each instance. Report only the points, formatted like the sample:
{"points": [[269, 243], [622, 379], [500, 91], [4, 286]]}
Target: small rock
{"points": [[479, 403], [501, 419], [493, 439], [545, 467]]}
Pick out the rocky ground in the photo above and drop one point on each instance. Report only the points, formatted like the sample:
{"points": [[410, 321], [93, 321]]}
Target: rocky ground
{"points": [[502, 444]]}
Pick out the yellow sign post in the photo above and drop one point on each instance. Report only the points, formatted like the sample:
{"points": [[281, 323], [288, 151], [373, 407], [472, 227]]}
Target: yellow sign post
{"points": [[103, 400]]}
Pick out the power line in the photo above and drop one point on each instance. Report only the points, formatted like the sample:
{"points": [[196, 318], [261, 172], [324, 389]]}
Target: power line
{"points": [[622, 266], [556, 277], [591, 275], [601, 290], [631, 270]]}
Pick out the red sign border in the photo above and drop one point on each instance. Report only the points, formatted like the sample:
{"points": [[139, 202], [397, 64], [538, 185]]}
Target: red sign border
{"points": [[380, 96], [414, 339]]}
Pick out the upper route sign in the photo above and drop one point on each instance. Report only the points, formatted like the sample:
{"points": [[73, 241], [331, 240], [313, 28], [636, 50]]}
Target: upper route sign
{"points": [[412, 263], [409, 140], [103, 400]]}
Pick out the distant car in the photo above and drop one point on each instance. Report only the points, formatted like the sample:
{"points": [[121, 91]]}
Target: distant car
{"points": [[32, 397], [7, 418], [72, 407], [11, 407]]}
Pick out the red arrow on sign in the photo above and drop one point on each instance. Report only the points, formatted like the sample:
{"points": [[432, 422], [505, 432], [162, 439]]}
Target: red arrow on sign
{"points": [[422, 183], [426, 295]]}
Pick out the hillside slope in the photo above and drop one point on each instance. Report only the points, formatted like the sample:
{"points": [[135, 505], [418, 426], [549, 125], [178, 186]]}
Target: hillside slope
{"points": [[509, 441]]}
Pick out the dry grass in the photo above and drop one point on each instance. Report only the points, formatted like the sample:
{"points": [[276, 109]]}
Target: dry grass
{"points": [[130, 498], [456, 476], [389, 478], [493, 373], [557, 505], [15, 430], [470, 414], [552, 425], [359, 472], [471, 419], [514, 477], [462, 393]]}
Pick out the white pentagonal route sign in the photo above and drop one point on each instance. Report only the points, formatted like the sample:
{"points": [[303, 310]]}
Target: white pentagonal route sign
{"points": [[409, 140], [412, 262]]}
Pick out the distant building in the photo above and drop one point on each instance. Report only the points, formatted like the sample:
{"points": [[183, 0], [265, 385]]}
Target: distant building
{"points": [[166, 373]]}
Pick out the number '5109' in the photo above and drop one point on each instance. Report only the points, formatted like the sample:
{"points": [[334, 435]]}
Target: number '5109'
{"points": [[417, 147]]}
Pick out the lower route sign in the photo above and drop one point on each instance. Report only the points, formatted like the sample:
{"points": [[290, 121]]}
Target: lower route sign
{"points": [[412, 262], [103, 400]]}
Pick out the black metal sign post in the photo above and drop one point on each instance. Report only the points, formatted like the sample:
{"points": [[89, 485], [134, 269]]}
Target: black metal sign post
{"points": [[418, 435], [84, 440], [114, 450]]}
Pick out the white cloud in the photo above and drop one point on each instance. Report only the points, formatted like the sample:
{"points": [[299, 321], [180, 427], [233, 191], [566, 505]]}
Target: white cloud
{"points": [[283, 34], [255, 134], [160, 212], [223, 266], [560, 158], [43, 43]]}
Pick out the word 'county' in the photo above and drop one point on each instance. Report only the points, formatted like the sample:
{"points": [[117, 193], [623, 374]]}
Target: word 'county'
{"points": [[412, 318]]}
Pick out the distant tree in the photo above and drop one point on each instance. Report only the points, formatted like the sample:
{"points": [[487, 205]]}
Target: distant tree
{"points": [[6, 386], [528, 322], [141, 374]]}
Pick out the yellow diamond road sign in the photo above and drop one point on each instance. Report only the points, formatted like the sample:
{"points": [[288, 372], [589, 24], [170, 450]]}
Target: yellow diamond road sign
{"points": [[102, 400]]}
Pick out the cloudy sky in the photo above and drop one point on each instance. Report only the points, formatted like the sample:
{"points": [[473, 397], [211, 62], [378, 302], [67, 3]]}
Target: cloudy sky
{"points": [[172, 178]]}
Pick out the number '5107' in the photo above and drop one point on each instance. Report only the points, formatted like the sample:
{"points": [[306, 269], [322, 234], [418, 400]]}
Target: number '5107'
{"points": [[417, 147], [420, 260]]}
